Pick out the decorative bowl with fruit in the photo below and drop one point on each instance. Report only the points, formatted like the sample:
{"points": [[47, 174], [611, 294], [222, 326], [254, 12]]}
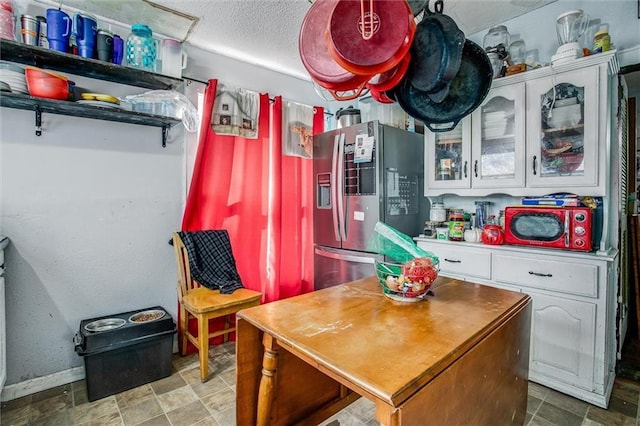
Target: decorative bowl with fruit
{"points": [[409, 281]]}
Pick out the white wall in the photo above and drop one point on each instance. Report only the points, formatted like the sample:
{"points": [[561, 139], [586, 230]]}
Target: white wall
{"points": [[89, 207]]}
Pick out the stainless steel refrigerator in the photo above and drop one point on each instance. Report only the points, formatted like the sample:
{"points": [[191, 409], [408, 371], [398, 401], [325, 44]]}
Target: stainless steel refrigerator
{"points": [[363, 174]]}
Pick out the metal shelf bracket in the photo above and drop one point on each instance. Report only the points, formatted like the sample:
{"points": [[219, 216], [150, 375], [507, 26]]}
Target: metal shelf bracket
{"points": [[165, 135], [38, 121]]}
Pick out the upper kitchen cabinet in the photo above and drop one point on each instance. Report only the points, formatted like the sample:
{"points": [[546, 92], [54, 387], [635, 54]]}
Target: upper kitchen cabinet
{"points": [[448, 159], [563, 140], [497, 139], [538, 132]]}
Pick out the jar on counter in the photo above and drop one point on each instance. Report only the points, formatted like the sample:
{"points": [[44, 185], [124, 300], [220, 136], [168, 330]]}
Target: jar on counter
{"points": [[430, 229], [437, 213], [456, 225]]}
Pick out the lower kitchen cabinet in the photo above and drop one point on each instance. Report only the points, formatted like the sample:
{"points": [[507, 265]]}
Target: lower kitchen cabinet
{"points": [[573, 339], [563, 335]]}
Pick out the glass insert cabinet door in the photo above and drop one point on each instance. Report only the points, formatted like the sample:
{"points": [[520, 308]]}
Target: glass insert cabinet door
{"points": [[447, 158], [563, 140], [499, 139]]}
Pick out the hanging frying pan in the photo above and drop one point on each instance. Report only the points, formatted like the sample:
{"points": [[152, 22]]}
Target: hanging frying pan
{"points": [[369, 37], [468, 89], [437, 52], [342, 84], [381, 96], [417, 6], [387, 80], [391, 78]]}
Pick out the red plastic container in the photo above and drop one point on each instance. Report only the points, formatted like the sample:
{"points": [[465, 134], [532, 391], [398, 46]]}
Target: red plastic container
{"points": [[46, 84]]}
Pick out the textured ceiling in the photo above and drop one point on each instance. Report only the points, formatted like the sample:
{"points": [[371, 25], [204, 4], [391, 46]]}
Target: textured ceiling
{"points": [[265, 32]]}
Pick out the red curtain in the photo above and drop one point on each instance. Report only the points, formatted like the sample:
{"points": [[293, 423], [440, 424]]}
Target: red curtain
{"points": [[262, 198]]}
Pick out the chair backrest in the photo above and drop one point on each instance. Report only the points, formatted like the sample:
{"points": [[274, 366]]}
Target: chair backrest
{"points": [[185, 282]]}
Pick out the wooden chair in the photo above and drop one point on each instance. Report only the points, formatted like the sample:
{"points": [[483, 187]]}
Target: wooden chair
{"points": [[202, 303]]}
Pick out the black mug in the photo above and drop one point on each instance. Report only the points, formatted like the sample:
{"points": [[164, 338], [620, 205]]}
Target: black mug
{"points": [[105, 45]]}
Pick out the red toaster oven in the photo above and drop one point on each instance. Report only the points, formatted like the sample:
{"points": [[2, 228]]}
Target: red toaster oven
{"points": [[569, 228]]}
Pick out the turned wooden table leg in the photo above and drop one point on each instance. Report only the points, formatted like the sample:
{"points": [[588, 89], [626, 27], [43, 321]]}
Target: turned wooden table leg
{"points": [[265, 393]]}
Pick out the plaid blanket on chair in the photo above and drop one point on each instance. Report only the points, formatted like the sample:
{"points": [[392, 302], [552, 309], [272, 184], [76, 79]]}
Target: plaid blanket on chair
{"points": [[211, 260]]}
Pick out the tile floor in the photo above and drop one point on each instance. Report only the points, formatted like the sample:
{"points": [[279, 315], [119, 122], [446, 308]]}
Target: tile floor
{"points": [[182, 399]]}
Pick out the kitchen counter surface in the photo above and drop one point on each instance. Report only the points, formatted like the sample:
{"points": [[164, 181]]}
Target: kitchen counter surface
{"points": [[330, 347], [608, 255]]}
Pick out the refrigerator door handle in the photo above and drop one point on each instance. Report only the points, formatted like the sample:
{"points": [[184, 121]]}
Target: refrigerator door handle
{"points": [[341, 212], [334, 171], [345, 257]]}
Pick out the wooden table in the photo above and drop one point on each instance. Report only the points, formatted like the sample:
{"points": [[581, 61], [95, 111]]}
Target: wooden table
{"points": [[458, 357]]}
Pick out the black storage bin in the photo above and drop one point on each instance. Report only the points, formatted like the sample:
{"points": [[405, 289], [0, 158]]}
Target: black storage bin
{"points": [[125, 350]]}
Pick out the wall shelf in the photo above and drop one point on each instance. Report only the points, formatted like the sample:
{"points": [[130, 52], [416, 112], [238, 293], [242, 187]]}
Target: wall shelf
{"points": [[50, 59], [40, 105]]}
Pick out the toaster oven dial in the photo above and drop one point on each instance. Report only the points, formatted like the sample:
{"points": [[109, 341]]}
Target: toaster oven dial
{"points": [[579, 230], [580, 217], [580, 242]]}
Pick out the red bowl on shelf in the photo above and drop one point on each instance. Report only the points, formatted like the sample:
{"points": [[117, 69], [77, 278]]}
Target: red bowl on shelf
{"points": [[46, 84]]}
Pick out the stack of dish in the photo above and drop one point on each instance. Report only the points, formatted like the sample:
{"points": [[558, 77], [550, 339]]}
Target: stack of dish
{"points": [[452, 136], [13, 75], [99, 99], [565, 113], [494, 124]]}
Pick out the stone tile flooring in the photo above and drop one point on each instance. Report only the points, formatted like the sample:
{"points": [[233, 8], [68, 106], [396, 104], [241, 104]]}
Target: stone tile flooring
{"points": [[182, 400]]}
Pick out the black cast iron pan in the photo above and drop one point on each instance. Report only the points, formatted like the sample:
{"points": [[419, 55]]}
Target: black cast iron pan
{"points": [[437, 52], [467, 91], [417, 6]]}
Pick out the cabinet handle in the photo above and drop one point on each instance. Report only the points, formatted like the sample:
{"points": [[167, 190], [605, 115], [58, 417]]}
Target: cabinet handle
{"points": [[538, 274], [452, 260], [534, 164], [475, 168], [465, 168]]}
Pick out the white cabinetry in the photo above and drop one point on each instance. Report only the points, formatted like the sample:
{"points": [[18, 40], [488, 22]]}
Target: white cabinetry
{"points": [[537, 132], [563, 335], [498, 135], [3, 318], [573, 318], [448, 159], [563, 139]]}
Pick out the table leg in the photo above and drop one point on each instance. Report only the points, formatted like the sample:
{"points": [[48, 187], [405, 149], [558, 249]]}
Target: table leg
{"points": [[267, 382]]}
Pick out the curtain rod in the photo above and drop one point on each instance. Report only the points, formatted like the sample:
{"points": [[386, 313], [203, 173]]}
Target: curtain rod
{"points": [[270, 98]]}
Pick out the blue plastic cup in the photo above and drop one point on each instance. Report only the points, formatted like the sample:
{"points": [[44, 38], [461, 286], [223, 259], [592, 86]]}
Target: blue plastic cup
{"points": [[118, 49], [85, 29], [58, 30]]}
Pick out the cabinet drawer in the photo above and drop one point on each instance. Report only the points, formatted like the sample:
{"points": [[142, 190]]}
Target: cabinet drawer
{"points": [[561, 276], [461, 261]]}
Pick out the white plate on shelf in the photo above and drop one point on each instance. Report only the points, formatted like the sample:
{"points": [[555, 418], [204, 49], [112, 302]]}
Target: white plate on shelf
{"points": [[565, 102], [100, 104]]}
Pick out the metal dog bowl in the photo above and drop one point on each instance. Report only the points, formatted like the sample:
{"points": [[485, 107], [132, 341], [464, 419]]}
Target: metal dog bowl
{"points": [[147, 316], [104, 324]]}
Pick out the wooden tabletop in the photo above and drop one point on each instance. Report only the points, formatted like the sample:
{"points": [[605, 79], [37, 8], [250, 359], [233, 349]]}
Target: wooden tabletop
{"points": [[387, 349]]}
